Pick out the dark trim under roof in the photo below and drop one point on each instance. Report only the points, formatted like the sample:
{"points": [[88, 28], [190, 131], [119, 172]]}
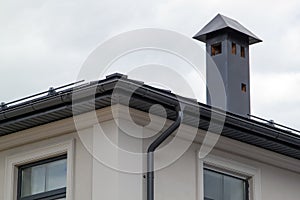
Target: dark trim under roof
{"points": [[58, 105]]}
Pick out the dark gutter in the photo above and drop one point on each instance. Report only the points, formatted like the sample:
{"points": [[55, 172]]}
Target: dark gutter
{"points": [[59, 106], [150, 154]]}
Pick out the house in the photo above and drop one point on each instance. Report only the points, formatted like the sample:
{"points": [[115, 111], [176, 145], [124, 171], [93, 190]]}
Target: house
{"points": [[98, 140]]}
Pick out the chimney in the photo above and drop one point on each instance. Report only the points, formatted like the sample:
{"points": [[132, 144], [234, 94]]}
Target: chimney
{"points": [[227, 44]]}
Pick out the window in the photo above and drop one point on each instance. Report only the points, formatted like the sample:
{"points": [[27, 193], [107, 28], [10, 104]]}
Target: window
{"points": [[45, 179], [222, 186], [242, 51], [244, 87], [223, 166], [233, 48], [216, 49]]}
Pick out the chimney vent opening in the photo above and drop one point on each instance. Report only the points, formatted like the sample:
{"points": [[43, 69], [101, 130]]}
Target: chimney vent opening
{"points": [[242, 51], [216, 49], [244, 87], [233, 48]]}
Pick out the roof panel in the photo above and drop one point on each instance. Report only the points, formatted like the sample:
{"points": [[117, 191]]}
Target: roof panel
{"points": [[221, 22]]}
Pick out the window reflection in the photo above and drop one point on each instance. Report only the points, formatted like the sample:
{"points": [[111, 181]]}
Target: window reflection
{"points": [[44, 177], [219, 186]]}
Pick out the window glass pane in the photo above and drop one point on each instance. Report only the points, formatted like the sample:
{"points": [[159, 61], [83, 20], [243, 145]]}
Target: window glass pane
{"points": [[233, 188], [56, 175], [219, 186], [33, 180], [212, 185], [45, 176]]}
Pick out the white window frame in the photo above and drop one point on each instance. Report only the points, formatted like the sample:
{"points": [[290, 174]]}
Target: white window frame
{"points": [[240, 169], [13, 161]]}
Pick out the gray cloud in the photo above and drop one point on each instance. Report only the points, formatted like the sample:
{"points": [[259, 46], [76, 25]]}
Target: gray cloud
{"points": [[44, 43]]}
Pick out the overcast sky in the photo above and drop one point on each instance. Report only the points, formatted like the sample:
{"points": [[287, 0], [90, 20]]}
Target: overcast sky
{"points": [[43, 43]]}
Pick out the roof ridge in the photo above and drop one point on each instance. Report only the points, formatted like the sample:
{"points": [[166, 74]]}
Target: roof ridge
{"points": [[223, 17]]}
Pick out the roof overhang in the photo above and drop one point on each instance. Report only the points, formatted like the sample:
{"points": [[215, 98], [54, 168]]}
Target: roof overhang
{"points": [[115, 90]]}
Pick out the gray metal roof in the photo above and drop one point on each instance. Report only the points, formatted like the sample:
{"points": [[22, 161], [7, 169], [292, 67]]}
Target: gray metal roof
{"points": [[221, 22], [58, 105]]}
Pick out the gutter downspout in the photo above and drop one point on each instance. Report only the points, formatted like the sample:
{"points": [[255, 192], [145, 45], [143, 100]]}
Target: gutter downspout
{"points": [[150, 154]]}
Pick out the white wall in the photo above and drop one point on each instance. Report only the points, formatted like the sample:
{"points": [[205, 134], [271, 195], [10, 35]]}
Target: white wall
{"points": [[279, 175]]}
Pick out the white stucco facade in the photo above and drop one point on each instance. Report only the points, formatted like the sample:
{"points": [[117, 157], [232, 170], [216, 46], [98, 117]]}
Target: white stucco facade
{"points": [[271, 176]]}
